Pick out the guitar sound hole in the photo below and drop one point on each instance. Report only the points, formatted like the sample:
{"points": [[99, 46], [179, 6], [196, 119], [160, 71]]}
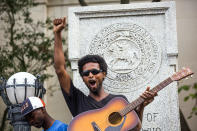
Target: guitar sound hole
{"points": [[115, 118]]}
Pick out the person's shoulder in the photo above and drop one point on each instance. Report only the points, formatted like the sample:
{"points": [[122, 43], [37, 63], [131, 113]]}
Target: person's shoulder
{"points": [[61, 123], [61, 126]]}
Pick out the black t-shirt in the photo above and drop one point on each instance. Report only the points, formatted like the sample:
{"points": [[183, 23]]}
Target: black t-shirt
{"points": [[78, 102]]}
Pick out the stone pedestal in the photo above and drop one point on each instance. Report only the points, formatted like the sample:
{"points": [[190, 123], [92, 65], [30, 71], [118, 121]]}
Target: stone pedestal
{"points": [[139, 44]]}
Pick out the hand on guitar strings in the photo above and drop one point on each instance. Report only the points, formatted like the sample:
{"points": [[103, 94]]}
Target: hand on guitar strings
{"points": [[148, 96]]}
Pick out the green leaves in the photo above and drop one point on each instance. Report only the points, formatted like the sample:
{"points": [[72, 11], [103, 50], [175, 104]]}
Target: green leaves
{"points": [[27, 46], [195, 86], [15, 6], [194, 111], [192, 96], [184, 87]]}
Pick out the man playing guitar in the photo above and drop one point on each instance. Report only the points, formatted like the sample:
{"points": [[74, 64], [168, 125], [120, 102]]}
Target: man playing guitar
{"points": [[93, 70]]}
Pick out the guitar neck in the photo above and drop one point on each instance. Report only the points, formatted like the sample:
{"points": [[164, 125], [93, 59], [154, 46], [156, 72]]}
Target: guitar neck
{"points": [[140, 100]]}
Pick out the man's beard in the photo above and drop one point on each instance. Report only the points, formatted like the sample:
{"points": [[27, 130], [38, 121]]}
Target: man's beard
{"points": [[96, 91]]}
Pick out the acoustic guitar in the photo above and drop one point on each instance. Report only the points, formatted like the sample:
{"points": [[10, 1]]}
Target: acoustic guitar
{"points": [[118, 114]]}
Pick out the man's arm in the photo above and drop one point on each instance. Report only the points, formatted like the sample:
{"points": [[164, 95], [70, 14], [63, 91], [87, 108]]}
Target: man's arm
{"points": [[59, 60], [148, 97]]}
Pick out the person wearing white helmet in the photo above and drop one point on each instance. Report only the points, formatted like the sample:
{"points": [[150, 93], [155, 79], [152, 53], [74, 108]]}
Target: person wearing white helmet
{"points": [[34, 111]]}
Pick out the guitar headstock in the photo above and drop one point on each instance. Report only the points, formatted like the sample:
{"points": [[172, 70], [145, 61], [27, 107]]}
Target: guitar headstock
{"points": [[184, 72]]}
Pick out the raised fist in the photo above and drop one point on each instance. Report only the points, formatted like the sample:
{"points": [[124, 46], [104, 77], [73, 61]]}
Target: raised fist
{"points": [[59, 25]]}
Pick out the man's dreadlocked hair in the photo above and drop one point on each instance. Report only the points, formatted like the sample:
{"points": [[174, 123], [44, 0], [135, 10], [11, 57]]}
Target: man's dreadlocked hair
{"points": [[92, 58]]}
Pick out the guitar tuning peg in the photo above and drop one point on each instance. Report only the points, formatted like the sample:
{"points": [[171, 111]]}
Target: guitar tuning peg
{"points": [[191, 76], [186, 78]]}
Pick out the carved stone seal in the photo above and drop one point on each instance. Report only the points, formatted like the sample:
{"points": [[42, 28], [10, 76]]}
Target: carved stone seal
{"points": [[132, 55]]}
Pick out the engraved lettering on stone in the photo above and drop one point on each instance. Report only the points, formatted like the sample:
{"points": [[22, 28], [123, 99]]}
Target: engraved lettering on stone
{"points": [[132, 55]]}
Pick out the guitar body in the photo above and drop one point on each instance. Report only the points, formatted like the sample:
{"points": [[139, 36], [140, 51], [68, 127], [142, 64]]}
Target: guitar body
{"points": [[106, 118]]}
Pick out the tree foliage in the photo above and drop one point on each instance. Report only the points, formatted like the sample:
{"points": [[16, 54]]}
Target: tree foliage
{"points": [[192, 96], [26, 46]]}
